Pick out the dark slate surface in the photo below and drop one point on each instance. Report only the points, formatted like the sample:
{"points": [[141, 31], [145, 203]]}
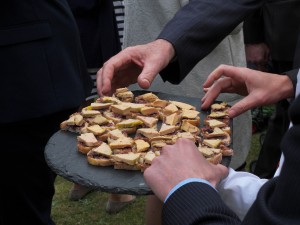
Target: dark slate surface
{"points": [[64, 159]]}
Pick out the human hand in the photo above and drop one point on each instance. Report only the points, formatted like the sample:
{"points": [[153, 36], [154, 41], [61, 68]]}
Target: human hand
{"points": [[178, 162], [260, 88], [257, 54], [134, 64]]}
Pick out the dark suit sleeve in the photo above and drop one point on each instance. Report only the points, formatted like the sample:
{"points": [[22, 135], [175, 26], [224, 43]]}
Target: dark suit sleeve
{"points": [[198, 28], [197, 203]]}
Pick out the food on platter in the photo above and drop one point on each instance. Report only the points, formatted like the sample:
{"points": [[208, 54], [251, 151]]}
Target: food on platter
{"points": [[86, 142], [127, 132]]}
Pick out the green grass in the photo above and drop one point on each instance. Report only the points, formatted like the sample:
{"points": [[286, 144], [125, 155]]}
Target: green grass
{"points": [[91, 210]]}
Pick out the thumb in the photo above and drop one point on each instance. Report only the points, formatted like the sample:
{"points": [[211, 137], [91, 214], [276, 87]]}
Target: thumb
{"points": [[242, 106], [147, 76]]}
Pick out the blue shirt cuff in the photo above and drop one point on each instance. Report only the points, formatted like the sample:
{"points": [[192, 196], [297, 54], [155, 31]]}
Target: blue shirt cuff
{"points": [[186, 181]]}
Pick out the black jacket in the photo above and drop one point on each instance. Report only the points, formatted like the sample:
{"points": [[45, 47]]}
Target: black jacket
{"points": [[41, 62], [277, 24]]}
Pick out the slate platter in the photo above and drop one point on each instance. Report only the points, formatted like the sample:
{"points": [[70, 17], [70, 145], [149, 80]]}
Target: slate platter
{"points": [[63, 158]]}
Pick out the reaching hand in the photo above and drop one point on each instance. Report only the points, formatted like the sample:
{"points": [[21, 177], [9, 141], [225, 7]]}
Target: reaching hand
{"points": [[260, 88], [178, 162], [134, 64]]}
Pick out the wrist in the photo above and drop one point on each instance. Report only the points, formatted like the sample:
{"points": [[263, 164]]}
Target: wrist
{"points": [[167, 48]]}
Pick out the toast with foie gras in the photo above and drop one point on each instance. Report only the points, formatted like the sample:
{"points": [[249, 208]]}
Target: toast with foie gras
{"points": [[122, 145], [100, 156], [129, 125], [173, 119], [148, 121], [124, 95], [147, 158], [74, 123], [158, 142], [100, 133], [108, 99], [146, 98], [141, 145], [183, 105], [127, 161], [167, 129], [146, 133], [87, 141], [191, 116]]}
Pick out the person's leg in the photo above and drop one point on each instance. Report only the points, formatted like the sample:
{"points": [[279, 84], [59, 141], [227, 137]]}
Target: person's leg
{"points": [[153, 210], [117, 202], [270, 152], [78, 192]]}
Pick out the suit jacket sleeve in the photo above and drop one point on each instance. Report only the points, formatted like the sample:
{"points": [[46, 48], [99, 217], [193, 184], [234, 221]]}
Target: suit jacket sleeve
{"points": [[197, 203], [198, 28]]}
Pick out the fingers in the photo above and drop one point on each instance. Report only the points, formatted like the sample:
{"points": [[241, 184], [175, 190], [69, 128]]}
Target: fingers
{"points": [[221, 85], [242, 106]]}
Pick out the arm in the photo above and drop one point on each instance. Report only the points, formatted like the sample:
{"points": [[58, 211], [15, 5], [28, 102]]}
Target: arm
{"points": [[173, 161], [200, 32], [195, 32]]}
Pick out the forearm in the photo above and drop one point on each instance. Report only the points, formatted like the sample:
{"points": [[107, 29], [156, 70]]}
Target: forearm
{"points": [[195, 32]]}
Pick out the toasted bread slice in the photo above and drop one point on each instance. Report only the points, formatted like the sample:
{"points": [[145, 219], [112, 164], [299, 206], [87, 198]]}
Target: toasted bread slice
{"points": [[183, 105], [121, 143], [186, 126], [213, 143], [121, 109], [169, 109], [148, 120], [108, 99], [144, 98], [214, 123], [141, 145], [148, 132], [116, 134], [215, 159], [149, 157], [173, 119], [100, 105], [103, 149], [167, 129], [147, 111], [96, 129], [130, 158], [99, 119], [218, 114], [88, 139], [112, 116], [159, 103], [88, 112], [216, 132]]}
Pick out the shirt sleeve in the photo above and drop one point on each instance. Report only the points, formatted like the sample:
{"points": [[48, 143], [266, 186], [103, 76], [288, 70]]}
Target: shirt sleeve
{"points": [[239, 190], [186, 181]]}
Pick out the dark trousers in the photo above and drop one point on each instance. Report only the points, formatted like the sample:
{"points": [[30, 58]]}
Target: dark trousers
{"points": [[270, 152], [27, 183], [278, 124]]}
